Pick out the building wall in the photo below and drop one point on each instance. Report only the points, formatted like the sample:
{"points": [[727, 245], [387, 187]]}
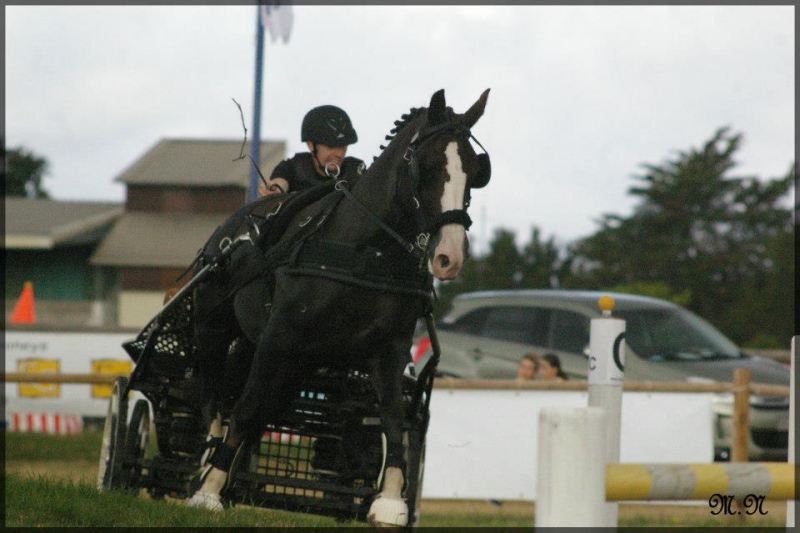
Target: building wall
{"points": [[141, 293], [151, 279], [68, 313], [137, 308], [141, 289], [59, 274], [152, 199]]}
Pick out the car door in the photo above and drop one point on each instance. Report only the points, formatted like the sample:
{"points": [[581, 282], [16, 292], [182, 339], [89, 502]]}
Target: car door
{"points": [[508, 332], [458, 341], [569, 339]]}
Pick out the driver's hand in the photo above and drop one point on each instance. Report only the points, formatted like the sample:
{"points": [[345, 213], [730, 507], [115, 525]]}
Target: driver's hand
{"points": [[273, 186]]}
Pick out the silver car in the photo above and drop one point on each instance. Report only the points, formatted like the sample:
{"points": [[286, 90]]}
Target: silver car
{"points": [[485, 334]]}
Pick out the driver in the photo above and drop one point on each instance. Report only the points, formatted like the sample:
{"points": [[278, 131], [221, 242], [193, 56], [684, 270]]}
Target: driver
{"points": [[327, 131]]}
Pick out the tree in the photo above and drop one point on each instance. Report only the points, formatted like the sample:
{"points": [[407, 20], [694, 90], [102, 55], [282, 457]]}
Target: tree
{"points": [[542, 265], [700, 232], [502, 268], [23, 173]]}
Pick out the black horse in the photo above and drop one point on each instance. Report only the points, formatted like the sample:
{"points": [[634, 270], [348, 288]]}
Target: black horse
{"points": [[345, 283]]}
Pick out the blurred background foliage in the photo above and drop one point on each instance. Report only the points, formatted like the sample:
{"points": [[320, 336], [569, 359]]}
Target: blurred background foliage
{"points": [[699, 236]]}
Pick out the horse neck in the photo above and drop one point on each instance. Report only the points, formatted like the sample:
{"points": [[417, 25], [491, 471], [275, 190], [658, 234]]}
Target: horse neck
{"points": [[376, 188]]}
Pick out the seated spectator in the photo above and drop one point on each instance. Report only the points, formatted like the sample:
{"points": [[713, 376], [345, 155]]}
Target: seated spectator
{"points": [[550, 368], [528, 364]]}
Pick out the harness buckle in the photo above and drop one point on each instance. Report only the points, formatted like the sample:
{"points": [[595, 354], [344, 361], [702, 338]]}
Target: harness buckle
{"points": [[422, 241], [409, 154], [270, 215]]}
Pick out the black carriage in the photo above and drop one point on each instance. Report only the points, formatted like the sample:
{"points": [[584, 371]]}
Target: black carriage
{"points": [[325, 457], [372, 252]]}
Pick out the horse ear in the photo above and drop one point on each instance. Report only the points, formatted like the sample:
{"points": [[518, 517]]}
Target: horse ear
{"points": [[436, 108], [476, 111]]}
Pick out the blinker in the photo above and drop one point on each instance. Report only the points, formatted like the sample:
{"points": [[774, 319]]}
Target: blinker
{"points": [[481, 179]]}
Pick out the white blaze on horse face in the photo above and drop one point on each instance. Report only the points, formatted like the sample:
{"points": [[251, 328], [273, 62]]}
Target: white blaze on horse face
{"points": [[449, 254]]}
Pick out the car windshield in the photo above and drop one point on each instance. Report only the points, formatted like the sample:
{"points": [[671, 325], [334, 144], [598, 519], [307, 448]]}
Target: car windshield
{"points": [[674, 334]]}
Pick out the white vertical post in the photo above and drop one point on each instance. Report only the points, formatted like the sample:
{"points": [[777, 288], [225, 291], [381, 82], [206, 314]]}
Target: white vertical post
{"points": [[606, 375], [790, 505], [571, 478]]}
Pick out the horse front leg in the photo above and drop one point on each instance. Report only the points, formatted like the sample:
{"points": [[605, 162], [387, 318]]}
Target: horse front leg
{"points": [[389, 509], [214, 473], [262, 401], [214, 332]]}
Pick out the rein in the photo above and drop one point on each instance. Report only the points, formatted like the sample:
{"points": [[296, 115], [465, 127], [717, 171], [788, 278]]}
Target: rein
{"points": [[417, 251]]}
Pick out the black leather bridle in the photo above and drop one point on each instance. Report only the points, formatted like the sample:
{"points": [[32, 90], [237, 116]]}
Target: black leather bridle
{"points": [[424, 230]]}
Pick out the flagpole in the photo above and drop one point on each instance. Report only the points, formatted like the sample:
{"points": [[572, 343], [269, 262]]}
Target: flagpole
{"points": [[255, 148]]}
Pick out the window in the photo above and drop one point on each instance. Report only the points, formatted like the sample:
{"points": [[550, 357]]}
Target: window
{"points": [[526, 325], [570, 331], [663, 334], [471, 323]]}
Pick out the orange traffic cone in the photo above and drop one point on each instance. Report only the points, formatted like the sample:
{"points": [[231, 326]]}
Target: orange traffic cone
{"points": [[24, 312]]}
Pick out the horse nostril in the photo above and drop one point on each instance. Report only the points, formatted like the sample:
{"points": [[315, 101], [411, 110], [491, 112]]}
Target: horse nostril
{"points": [[444, 261]]}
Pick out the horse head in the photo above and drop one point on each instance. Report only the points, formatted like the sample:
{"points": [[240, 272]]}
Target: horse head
{"points": [[446, 167]]}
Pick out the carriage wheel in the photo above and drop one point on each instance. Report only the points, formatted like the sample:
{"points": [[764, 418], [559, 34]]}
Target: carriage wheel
{"points": [[136, 443], [110, 467]]}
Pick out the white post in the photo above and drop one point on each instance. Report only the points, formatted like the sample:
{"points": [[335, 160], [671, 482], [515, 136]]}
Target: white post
{"points": [[790, 505], [571, 478], [606, 374]]}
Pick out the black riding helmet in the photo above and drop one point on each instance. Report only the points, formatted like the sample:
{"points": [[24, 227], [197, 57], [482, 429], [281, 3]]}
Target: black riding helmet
{"points": [[329, 125]]}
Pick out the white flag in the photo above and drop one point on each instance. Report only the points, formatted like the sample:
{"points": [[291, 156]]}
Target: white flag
{"points": [[277, 17]]}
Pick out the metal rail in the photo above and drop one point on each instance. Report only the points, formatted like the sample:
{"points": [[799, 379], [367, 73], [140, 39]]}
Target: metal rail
{"points": [[760, 389]]}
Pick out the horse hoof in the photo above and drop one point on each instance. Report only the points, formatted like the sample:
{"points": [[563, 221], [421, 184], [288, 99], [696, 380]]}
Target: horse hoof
{"points": [[388, 512], [206, 500]]}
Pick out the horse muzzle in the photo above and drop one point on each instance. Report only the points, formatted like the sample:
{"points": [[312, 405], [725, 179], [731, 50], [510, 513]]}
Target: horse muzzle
{"points": [[448, 252]]}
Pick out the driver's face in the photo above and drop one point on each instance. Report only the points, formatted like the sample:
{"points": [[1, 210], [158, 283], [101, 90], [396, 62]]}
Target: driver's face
{"points": [[327, 156]]}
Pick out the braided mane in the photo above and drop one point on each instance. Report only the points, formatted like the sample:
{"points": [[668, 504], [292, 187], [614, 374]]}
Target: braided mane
{"points": [[402, 123]]}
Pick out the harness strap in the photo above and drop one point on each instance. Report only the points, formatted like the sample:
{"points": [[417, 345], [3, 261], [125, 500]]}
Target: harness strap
{"points": [[412, 175], [407, 246], [379, 285], [281, 252], [454, 216], [358, 260]]}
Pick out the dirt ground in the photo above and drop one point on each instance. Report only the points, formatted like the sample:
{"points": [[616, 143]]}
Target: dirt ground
{"points": [[666, 514]]}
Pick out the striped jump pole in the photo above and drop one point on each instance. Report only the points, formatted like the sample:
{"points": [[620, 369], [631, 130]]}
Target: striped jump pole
{"points": [[790, 505], [772, 481], [573, 451]]}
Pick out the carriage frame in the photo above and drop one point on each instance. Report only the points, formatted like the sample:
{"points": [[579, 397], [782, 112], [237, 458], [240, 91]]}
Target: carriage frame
{"points": [[325, 457]]}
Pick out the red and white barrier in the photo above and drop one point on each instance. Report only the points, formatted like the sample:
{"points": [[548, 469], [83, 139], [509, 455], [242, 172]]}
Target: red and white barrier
{"points": [[283, 438], [54, 424]]}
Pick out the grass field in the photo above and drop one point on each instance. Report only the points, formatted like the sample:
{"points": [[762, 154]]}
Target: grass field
{"points": [[50, 481]]}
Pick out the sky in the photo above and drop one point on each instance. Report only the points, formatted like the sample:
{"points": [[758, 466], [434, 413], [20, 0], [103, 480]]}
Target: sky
{"points": [[581, 96]]}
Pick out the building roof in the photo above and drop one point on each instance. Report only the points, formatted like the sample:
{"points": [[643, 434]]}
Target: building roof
{"points": [[33, 223], [201, 163], [160, 240]]}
